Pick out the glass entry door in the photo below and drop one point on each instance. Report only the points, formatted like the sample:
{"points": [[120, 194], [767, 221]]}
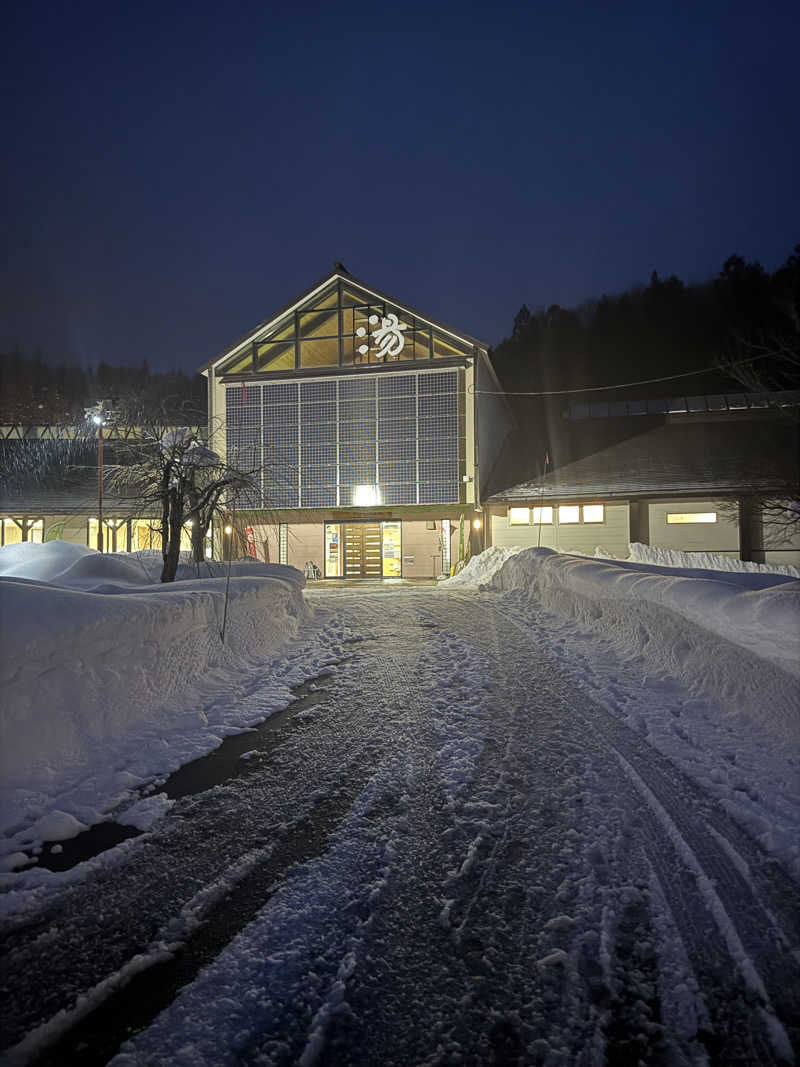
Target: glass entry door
{"points": [[363, 550]]}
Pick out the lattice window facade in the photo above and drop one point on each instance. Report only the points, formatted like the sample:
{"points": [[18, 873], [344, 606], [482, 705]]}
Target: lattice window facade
{"points": [[343, 442]]}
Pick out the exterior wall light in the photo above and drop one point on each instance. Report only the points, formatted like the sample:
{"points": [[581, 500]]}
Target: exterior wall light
{"points": [[228, 529], [476, 524], [366, 496]]}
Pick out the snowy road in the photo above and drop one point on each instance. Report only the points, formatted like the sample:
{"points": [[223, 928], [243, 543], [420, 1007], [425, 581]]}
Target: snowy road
{"points": [[456, 856]]}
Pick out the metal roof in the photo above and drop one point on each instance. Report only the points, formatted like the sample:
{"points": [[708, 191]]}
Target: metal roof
{"points": [[726, 456]]}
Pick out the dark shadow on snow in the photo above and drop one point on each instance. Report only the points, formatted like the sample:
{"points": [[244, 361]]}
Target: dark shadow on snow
{"points": [[216, 768]]}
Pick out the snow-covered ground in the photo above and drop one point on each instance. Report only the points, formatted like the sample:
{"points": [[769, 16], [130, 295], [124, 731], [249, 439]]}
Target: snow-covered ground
{"points": [[107, 675], [643, 609], [704, 663], [547, 813]]}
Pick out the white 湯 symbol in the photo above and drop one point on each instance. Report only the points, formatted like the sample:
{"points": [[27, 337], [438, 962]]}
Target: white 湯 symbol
{"points": [[389, 337], [389, 340]]}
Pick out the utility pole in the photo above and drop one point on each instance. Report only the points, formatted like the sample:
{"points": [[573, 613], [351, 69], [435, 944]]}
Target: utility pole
{"points": [[99, 420], [97, 417]]}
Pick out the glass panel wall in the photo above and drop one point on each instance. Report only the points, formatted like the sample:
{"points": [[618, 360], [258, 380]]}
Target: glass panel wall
{"points": [[344, 325], [351, 441]]}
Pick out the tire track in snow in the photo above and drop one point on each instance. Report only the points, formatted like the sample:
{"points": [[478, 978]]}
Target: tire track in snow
{"points": [[526, 871], [756, 917], [120, 998]]}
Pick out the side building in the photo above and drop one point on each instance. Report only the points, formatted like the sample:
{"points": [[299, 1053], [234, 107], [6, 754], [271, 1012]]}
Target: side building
{"points": [[698, 474], [52, 488], [371, 431]]}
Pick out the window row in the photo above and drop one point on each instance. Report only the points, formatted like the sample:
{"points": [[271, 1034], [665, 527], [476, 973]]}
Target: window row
{"points": [[119, 535], [593, 513], [567, 514]]}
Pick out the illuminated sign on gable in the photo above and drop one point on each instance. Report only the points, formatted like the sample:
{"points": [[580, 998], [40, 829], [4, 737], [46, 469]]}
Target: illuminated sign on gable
{"points": [[389, 340]]}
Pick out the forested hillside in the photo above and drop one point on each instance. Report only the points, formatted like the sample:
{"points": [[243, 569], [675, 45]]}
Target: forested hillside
{"points": [[34, 391], [666, 328]]}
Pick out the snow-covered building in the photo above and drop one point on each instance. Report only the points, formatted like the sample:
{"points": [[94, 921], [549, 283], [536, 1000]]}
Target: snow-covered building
{"points": [[699, 474], [50, 490], [374, 430]]}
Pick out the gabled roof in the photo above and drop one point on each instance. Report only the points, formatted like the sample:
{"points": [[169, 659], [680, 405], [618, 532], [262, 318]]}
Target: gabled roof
{"points": [[339, 272], [727, 455]]}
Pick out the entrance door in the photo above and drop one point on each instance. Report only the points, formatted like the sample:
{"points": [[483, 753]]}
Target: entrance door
{"points": [[362, 550]]}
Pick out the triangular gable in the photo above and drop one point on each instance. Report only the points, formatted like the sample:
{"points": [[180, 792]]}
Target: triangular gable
{"points": [[337, 319]]}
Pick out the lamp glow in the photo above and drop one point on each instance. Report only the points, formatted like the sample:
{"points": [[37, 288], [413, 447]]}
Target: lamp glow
{"points": [[366, 496]]}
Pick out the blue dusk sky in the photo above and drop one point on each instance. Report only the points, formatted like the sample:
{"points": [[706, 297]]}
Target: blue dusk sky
{"points": [[176, 172]]}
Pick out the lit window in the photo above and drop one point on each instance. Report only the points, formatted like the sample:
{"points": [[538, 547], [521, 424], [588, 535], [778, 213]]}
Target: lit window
{"points": [[542, 516], [519, 516], [678, 518], [593, 513], [569, 513]]}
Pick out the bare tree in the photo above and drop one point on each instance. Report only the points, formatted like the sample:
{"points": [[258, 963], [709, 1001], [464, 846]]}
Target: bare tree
{"points": [[766, 365], [771, 366], [171, 472]]}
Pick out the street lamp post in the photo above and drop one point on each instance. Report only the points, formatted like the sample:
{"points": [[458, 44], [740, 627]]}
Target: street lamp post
{"points": [[99, 423], [96, 415]]}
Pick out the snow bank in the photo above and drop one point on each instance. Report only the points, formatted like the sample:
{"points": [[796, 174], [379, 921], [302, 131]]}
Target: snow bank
{"points": [[738, 645], [481, 568], [92, 649], [78, 567], [711, 561]]}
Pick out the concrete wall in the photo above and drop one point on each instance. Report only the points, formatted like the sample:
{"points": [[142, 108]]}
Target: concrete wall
{"points": [[306, 543], [74, 529], [721, 536], [421, 544], [612, 535]]}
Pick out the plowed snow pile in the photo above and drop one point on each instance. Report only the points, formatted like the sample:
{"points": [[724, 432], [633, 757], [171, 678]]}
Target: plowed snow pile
{"points": [[99, 658], [734, 636], [713, 561]]}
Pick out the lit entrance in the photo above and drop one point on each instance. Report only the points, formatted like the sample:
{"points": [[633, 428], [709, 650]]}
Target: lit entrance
{"points": [[363, 550]]}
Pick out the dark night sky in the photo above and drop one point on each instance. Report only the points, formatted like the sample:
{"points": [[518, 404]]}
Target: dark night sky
{"points": [[176, 172]]}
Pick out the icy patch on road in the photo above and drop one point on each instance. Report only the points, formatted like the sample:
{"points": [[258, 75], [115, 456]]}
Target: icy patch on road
{"points": [[229, 706], [144, 813], [103, 692], [285, 975]]}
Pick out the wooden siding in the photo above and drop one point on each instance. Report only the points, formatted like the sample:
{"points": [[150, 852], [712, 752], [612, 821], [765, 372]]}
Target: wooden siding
{"points": [[720, 536], [612, 535]]}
